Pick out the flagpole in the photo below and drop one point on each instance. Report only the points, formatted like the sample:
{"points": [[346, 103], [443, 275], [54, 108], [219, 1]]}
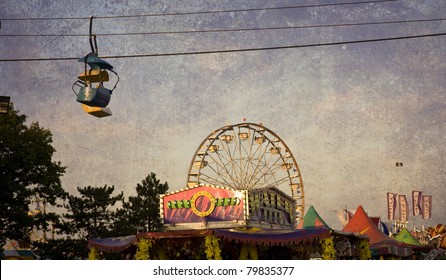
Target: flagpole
{"points": [[399, 221]]}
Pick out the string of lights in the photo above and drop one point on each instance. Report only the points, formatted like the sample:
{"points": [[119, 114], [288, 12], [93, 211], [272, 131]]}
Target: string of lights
{"points": [[235, 50], [201, 12], [230, 30]]}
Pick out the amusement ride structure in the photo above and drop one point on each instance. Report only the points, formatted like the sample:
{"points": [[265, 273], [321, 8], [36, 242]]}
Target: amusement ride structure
{"points": [[247, 156]]}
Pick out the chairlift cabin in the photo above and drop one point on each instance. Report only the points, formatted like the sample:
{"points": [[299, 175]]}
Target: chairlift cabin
{"points": [[90, 90]]}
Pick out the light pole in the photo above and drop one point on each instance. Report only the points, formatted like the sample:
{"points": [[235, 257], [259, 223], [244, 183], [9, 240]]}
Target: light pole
{"points": [[4, 104], [398, 223]]}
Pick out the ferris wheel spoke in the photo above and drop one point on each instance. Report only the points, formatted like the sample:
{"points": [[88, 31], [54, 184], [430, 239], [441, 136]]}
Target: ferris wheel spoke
{"points": [[281, 180], [248, 166], [217, 174], [259, 161], [221, 165], [213, 181], [233, 167], [225, 146], [269, 168], [267, 165], [229, 160], [269, 172], [232, 160]]}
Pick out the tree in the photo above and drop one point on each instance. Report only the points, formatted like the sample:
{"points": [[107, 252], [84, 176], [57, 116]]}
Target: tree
{"points": [[27, 171], [91, 214], [141, 212]]}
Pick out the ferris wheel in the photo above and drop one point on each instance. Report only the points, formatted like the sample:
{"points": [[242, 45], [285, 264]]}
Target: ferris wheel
{"points": [[247, 156]]}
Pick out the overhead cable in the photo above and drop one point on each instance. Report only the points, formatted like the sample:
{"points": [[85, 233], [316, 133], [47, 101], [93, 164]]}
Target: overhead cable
{"points": [[201, 12], [228, 30], [233, 50]]}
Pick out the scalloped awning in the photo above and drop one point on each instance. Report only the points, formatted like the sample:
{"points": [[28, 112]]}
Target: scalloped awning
{"points": [[273, 237], [114, 244], [253, 235]]}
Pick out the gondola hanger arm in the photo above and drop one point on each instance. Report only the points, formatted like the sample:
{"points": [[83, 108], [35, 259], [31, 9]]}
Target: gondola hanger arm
{"points": [[93, 42]]}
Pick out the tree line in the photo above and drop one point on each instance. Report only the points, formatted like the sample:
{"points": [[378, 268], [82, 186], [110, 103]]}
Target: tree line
{"points": [[30, 185]]}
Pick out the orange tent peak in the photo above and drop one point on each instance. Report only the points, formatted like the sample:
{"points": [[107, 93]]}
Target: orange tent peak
{"points": [[361, 223]]}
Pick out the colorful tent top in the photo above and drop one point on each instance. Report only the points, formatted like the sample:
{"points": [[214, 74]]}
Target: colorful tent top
{"points": [[113, 243], [380, 244], [405, 236], [312, 220]]}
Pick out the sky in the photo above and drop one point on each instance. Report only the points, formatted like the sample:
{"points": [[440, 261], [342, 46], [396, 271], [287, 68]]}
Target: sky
{"points": [[348, 112]]}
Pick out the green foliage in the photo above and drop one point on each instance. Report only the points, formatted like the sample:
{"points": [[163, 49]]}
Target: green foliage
{"points": [[364, 252], [27, 171], [213, 251], [91, 214], [142, 252], [93, 254], [328, 250], [141, 212]]}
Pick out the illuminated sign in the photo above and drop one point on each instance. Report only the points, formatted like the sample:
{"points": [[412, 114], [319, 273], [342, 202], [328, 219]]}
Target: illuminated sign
{"points": [[203, 206]]}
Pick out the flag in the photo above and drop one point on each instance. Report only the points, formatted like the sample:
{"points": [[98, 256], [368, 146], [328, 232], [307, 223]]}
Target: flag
{"points": [[416, 203], [391, 206], [404, 213], [427, 206]]}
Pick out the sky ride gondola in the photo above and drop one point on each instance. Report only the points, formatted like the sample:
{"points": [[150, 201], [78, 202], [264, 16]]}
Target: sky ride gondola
{"points": [[90, 84]]}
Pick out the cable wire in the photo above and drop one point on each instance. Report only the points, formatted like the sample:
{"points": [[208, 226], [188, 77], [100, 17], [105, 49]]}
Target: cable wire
{"points": [[204, 12], [228, 30], [234, 50]]}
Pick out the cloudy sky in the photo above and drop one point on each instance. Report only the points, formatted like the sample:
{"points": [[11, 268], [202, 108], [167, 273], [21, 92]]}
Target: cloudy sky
{"points": [[348, 112]]}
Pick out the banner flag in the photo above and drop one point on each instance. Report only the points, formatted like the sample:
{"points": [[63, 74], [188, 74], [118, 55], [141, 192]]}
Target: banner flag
{"points": [[427, 206], [416, 203], [391, 205], [404, 213]]}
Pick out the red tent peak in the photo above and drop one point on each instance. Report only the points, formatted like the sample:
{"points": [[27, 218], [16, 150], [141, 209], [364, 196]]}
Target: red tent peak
{"points": [[361, 223]]}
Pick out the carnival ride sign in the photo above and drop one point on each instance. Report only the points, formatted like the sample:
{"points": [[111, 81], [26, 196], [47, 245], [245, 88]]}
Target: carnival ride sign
{"points": [[204, 206]]}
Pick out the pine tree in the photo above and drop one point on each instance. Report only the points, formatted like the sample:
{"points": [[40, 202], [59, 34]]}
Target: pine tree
{"points": [[141, 212], [91, 214]]}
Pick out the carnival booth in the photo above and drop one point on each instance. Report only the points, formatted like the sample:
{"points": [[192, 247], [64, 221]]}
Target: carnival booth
{"points": [[419, 250], [210, 222], [347, 245], [381, 245]]}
